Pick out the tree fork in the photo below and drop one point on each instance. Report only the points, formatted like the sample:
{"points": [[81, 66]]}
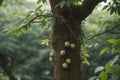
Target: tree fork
{"points": [[67, 28], [62, 32]]}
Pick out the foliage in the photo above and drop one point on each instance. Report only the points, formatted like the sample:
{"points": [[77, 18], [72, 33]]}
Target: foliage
{"points": [[30, 59], [113, 7], [27, 45], [39, 16], [97, 31], [1, 2], [111, 70]]}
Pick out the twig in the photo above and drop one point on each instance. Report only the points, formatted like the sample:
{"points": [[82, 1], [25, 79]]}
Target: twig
{"points": [[33, 20], [106, 31], [115, 32]]}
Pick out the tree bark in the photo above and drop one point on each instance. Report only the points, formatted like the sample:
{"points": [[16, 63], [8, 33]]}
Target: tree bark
{"points": [[67, 28], [62, 32], [6, 64]]}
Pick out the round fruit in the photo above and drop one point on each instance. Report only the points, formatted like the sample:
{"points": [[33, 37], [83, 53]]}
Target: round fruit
{"points": [[50, 59], [62, 52], [68, 60], [72, 45], [65, 65], [52, 54], [114, 5], [67, 44]]}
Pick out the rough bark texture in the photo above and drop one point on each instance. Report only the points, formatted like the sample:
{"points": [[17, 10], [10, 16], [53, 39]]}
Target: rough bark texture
{"points": [[6, 64], [67, 28]]}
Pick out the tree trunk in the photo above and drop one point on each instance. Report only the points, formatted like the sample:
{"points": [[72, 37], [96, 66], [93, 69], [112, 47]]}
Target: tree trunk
{"points": [[6, 64], [67, 28], [62, 32]]}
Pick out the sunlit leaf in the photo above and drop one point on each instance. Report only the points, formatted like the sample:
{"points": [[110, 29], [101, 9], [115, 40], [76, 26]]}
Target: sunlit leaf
{"points": [[44, 42], [92, 78], [98, 69], [86, 61], [114, 41], [103, 51], [108, 68], [116, 58], [103, 76], [85, 53]]}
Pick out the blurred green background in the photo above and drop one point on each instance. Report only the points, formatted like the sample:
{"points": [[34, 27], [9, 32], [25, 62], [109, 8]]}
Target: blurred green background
{"points": [[28, 59]]}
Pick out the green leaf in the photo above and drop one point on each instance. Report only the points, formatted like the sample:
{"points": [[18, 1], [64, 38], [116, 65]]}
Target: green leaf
{"points": [[118, 10], [98, 69], [116, 58], [92, 78], [108, 68], [116, 67], [86, 61], [106, 6], [109, 9], [103, 51], [112, 10], [38, 1], [1, 1], [114, 41], [85, 53], [114, 51], [103, 75], [45, 42]]}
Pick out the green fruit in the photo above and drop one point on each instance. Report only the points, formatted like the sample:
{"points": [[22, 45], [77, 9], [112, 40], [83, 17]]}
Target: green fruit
{"points": [[65, 65], [51, 59], [72, 45], [62, 52], [68, 60], [67, 44], [52, 54], [114, 5]]}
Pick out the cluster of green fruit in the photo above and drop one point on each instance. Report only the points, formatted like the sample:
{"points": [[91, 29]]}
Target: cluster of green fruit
{"points": [[68, 44], [51, 58], [63, 52], [65, 64]]}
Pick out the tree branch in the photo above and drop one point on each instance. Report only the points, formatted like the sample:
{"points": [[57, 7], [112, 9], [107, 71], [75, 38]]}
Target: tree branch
{"points": [[115, 32], [106, 31], [6, 65], [88, 6]]}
